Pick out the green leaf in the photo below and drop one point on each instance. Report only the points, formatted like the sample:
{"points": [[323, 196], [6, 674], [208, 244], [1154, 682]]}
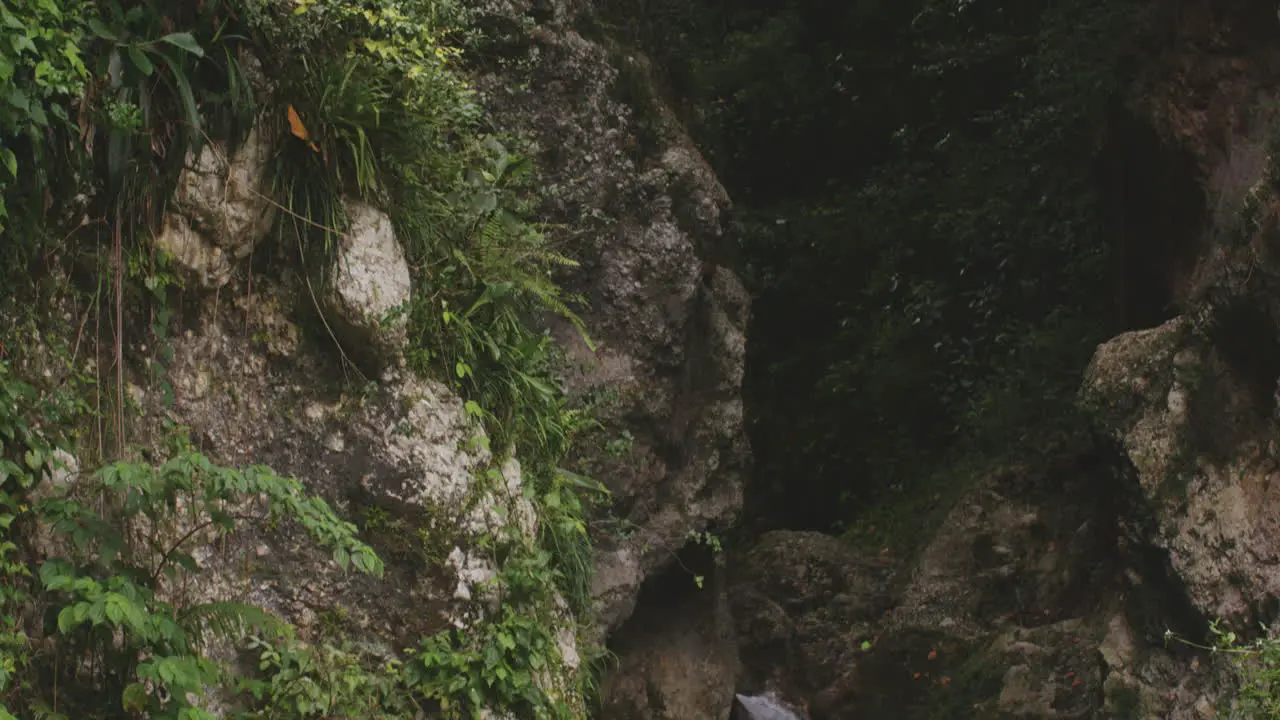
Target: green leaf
{"points": [[9, 20], [67, 620], [115, 608], [19, 99], [183, 88], [185, 41], [21, 43], [10, 161], [134, 698], [141, 61], [97, 28]]}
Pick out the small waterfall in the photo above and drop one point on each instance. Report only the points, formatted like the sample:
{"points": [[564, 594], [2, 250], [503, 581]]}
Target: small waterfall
{"points": [[761, 707]]}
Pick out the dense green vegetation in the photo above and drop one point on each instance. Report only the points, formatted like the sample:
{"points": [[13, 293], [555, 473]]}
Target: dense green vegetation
{"points": [[921, 224], [101, 101]]}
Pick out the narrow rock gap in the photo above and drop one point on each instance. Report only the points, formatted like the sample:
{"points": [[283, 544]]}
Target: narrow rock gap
{"points": [[1154, 212], [1244, 335]]}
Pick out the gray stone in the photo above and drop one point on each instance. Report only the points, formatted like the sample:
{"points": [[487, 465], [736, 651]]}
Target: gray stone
{"points": [[190, 251], [225, 197]]}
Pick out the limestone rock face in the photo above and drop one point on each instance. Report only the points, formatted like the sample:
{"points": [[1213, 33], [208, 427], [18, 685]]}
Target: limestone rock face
{"points": [[1193, 402], [401, 459], [1205, 456], [190, 251], [221, 210], [668, 318], [224, 196], [370, 281], [407, 449]]}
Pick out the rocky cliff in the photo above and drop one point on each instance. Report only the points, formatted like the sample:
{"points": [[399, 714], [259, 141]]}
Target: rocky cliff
{"points": [[292, 317], [642, 212], [1076, 586]]}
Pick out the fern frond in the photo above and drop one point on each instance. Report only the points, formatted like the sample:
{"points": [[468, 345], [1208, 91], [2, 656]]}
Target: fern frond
{"points": [[230, 620], [556, 258]]}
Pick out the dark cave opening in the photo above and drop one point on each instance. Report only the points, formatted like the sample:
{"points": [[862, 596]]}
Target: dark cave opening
{"points": [[686, 580], [1153, 213], [1244, 335]]}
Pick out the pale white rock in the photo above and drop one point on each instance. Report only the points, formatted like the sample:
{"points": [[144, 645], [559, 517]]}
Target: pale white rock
{"points": [[371, 280], [473, 571], [223, 195], [1118, 648], [191, 252], [615, 583], [220, 211], [1177, 403], [64, 469], [429, 442], [335, 443]]}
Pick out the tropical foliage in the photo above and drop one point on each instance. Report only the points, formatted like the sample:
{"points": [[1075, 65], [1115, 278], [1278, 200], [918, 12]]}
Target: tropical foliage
{"points": [[929, 287], [103, 103]]}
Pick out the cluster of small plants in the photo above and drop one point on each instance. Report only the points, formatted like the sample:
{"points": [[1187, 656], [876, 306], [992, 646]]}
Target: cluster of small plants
{"points": [[1256, 666], [100, 565]]}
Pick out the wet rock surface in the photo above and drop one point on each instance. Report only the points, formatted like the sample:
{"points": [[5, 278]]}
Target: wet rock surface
{"points": [[677, 655]]}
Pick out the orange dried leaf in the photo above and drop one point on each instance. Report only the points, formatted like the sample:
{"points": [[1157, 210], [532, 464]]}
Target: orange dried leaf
{"points": [[933, 654], [295, 125]]}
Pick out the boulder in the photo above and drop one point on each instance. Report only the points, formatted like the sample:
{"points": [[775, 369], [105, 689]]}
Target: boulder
{"points": [[370, 283], [803, 605], [221, 210], [1207, 463], [1018, 605]]}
